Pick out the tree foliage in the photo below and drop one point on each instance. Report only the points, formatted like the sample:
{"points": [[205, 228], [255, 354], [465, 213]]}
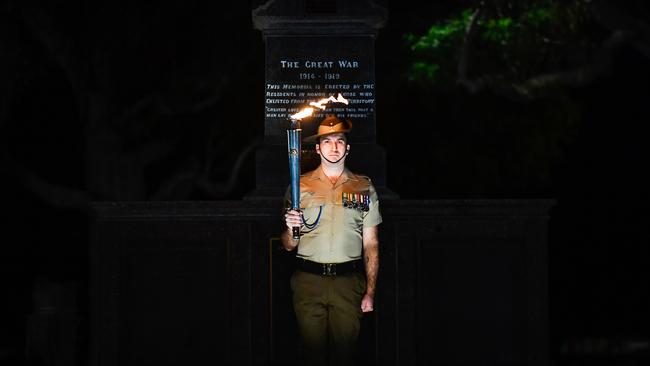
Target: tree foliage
{"points": [[507, 84], [511, 43]]}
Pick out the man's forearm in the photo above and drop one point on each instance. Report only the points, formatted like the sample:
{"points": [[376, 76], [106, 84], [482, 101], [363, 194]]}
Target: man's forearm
{"points": [[288, 242], [371, 257]]}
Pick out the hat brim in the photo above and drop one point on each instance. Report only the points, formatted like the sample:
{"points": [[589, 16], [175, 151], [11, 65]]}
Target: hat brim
{"points": [[313, 138]]}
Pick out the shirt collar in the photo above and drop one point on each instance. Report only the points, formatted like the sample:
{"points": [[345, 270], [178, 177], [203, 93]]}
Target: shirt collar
{"points": [[345, 176]]}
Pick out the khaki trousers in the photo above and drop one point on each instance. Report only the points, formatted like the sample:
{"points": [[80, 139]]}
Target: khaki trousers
{"points": [[328, 310]]}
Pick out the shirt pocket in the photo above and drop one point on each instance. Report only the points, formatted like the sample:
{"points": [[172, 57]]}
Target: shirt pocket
{"points": [[311, 206], [353, 218]]}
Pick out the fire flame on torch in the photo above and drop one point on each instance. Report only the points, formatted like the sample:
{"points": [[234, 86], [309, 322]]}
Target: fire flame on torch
{"points": [[307, 111]]}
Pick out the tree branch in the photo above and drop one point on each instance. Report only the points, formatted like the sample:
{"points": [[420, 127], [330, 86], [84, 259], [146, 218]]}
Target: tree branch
{"points": [[580, 76], [218, 190], [192, 177], [527, 89], [614, 19], [61, 47], [463, 63], [55, 195], [162, 106]]}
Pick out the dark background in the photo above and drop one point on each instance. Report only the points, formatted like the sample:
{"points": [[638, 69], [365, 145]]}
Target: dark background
{"points": [[165, 102]]}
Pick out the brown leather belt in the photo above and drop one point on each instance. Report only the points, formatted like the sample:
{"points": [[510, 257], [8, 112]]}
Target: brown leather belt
{"points": [[329, 269]]}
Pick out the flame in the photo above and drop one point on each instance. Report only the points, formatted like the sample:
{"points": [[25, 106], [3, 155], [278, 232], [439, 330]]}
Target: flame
{"points": [[306, 112], [338, 99]]}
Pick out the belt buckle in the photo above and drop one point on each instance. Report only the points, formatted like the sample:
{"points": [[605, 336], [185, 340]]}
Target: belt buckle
{"points": [[329, 269]]}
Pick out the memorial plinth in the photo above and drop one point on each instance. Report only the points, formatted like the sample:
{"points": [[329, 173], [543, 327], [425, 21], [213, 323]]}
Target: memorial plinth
{"points": [[462, 282]]}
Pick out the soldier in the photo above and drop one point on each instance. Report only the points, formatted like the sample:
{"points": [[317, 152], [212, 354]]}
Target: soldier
{"points": [[338, 220]]}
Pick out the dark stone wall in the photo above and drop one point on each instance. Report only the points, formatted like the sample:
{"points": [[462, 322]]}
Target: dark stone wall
{"points": [[461, 282]]}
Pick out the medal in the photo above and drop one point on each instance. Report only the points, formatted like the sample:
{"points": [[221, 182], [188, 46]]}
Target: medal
{"points": [[357, 201]]}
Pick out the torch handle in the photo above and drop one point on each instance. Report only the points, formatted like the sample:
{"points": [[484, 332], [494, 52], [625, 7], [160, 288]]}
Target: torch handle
{"points": [[293, 141]]}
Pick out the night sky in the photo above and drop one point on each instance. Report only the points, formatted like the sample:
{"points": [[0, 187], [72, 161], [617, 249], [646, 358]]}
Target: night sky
{"points": [[156, 102]]}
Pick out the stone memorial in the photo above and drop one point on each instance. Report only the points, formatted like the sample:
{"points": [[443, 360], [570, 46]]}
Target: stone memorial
{"points": [[314, 50]]}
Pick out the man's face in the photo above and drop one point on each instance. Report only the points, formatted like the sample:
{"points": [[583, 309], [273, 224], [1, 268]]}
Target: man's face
{"points": [[333, 147]]}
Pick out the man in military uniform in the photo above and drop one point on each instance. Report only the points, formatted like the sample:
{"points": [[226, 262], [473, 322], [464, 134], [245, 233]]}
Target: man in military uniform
{"points": [[338, 220]]}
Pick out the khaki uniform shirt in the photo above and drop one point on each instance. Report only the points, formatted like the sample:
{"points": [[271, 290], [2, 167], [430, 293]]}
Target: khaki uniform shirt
{"points": [[338, 235]]}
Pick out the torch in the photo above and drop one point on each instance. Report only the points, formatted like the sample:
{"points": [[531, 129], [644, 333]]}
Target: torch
{"points": [[293, 146]]}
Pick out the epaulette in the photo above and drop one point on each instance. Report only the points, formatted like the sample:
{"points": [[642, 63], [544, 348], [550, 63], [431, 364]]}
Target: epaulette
{"points": [[362, 177]]}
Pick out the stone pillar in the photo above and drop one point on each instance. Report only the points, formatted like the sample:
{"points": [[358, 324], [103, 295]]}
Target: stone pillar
{"points": [[315, 49]]}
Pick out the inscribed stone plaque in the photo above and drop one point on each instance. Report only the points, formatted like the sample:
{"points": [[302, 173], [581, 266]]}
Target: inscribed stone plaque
{"points": [[302, 69]]}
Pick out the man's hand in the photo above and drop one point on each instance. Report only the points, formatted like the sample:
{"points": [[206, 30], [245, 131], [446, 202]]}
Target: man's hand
{"points": [[293, 218], [367, 303]]}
